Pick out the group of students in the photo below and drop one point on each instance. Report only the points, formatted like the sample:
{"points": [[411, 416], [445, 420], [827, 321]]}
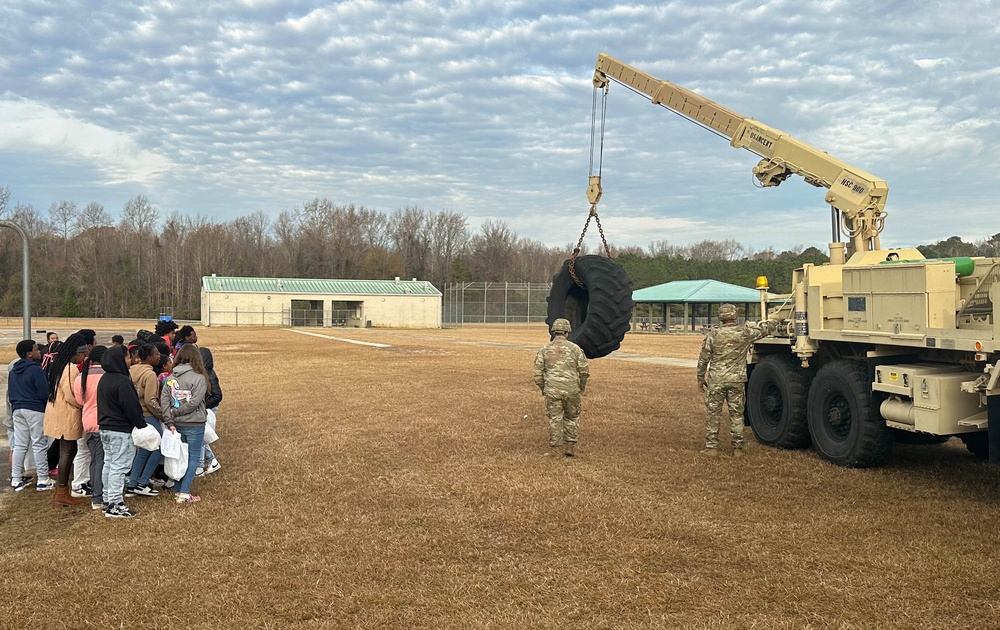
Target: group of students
{"points": [[79, 402]]}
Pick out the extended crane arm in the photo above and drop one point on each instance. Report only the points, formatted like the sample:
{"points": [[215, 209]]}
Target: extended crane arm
{"points": [[859, 196]]}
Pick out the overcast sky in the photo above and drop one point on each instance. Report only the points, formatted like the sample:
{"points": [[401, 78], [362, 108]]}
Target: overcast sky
{"points": [[484, 108]]}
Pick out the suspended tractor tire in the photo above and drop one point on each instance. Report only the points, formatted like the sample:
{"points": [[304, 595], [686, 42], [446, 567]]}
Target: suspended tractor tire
{"points": [[776, 402], [600, 311], [977, 443], [845, 430]]}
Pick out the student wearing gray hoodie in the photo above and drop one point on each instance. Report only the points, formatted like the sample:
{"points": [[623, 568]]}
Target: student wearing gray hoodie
{"points": [[182, 401]]}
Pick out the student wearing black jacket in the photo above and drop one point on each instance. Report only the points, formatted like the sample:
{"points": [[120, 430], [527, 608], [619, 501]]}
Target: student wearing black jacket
{"points": [[210, 463], [118, 412]]}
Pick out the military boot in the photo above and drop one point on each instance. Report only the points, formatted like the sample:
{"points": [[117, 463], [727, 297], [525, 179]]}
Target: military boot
{"points": [[570, 449]]}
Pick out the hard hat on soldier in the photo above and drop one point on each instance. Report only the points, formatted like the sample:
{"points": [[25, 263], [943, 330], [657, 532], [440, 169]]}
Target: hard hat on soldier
{"points": [[561, 325], [727, 312]]}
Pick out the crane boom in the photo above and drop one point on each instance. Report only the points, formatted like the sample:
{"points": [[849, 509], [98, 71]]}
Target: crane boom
{"points": [[858, 196]]}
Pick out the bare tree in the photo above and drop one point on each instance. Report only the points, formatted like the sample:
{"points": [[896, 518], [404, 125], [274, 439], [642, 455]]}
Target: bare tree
{"points": [[491, 253], [4, 198], [63, 217], [663, 249], [728, 249], [92, 216], [63, 214], [449, 235], [25, 215], [408, 229], [138, 222]]}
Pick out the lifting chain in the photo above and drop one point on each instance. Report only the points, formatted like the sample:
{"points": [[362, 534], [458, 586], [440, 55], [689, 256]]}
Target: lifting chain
{"points": [[579, 243]]}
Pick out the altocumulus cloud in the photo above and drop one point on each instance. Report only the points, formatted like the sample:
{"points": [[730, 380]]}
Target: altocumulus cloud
{"points": [[484, 108]]}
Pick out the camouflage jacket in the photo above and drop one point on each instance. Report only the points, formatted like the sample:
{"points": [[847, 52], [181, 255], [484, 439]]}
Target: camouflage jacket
{"points": [[561, 367], [724, 353]]}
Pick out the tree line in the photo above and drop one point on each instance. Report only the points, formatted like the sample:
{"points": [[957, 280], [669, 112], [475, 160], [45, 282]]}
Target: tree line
{"points": [[86, 263]]}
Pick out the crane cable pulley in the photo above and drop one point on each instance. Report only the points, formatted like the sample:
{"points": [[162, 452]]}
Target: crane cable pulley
{"points": [[594, 188]]}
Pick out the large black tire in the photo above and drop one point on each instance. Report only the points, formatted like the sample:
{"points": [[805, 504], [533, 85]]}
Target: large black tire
{"points": [[843, 427], [600, 311], [776, 402], [977, 443]]}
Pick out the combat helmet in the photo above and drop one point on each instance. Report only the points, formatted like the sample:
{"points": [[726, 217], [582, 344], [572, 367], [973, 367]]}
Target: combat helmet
{"points": [[727, 313], [561, 325]]}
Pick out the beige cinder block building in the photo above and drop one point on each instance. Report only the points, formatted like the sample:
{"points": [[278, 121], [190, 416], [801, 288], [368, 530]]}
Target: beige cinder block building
{"points": [[227, 301]]}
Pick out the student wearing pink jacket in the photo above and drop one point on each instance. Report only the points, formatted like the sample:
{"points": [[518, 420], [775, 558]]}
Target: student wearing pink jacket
{"points": [[85, 391]]}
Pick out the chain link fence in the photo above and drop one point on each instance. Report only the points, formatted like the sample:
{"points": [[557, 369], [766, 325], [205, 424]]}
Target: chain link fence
{"points": [[496, 303]]}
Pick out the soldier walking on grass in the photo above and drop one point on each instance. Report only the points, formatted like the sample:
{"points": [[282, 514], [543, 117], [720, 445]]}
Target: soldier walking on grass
{"points": [[561, 372], [722, 374]]}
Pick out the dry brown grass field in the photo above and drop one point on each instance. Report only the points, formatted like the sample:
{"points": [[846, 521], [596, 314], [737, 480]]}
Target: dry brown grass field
{"points": [[404, 487]]}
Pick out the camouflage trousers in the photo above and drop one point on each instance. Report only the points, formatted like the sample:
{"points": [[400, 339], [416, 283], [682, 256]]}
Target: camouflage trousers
{"points": [[563, 411], [735, 396]]}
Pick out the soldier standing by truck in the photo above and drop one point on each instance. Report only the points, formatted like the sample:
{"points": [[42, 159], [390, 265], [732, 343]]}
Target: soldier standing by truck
{"points": [[561, 372], [722, 374]]}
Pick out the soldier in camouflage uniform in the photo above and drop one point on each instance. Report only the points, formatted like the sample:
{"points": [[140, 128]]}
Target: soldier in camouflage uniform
{"points": [[561, 372], [722, 374]]}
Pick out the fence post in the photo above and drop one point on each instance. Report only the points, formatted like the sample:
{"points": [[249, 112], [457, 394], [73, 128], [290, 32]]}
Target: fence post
{"points": [[237, 316]]}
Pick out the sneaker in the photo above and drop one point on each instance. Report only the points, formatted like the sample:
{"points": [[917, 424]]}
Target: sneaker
{"points": [[98, 506], [54, 472], [187, 498], [157, 483], [82, 491], [48, 484], [21, 484], [214, 466], [145, 491], [129, 492], [119, 511], [199, 472]]}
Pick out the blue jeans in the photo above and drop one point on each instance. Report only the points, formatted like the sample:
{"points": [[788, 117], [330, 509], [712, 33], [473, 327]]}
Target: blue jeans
{"points": [[193, 437], [118, 453], [145, 461]]}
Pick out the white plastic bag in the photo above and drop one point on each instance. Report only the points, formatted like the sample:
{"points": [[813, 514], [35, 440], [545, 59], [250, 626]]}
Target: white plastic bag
{"points": [[210, 434], [146, 438], [170, 445], [211, 419], [175, 467]]}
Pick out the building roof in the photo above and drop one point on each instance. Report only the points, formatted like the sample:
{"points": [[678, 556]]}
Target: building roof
{"points": [[220, 284], [697, 291]]}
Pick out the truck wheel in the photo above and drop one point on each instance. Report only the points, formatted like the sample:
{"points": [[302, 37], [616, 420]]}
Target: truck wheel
{"points": [[600, 311], [843, 428], [776, 402], [977, 443]]}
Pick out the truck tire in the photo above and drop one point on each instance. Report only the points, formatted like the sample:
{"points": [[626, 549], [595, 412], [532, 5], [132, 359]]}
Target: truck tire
{"points": [[776, 402], [977, 443], [600, 312], [843, 427]]}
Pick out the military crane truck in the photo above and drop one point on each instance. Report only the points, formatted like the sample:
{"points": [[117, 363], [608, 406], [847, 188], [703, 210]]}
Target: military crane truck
{"points": [[881, 344]]}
